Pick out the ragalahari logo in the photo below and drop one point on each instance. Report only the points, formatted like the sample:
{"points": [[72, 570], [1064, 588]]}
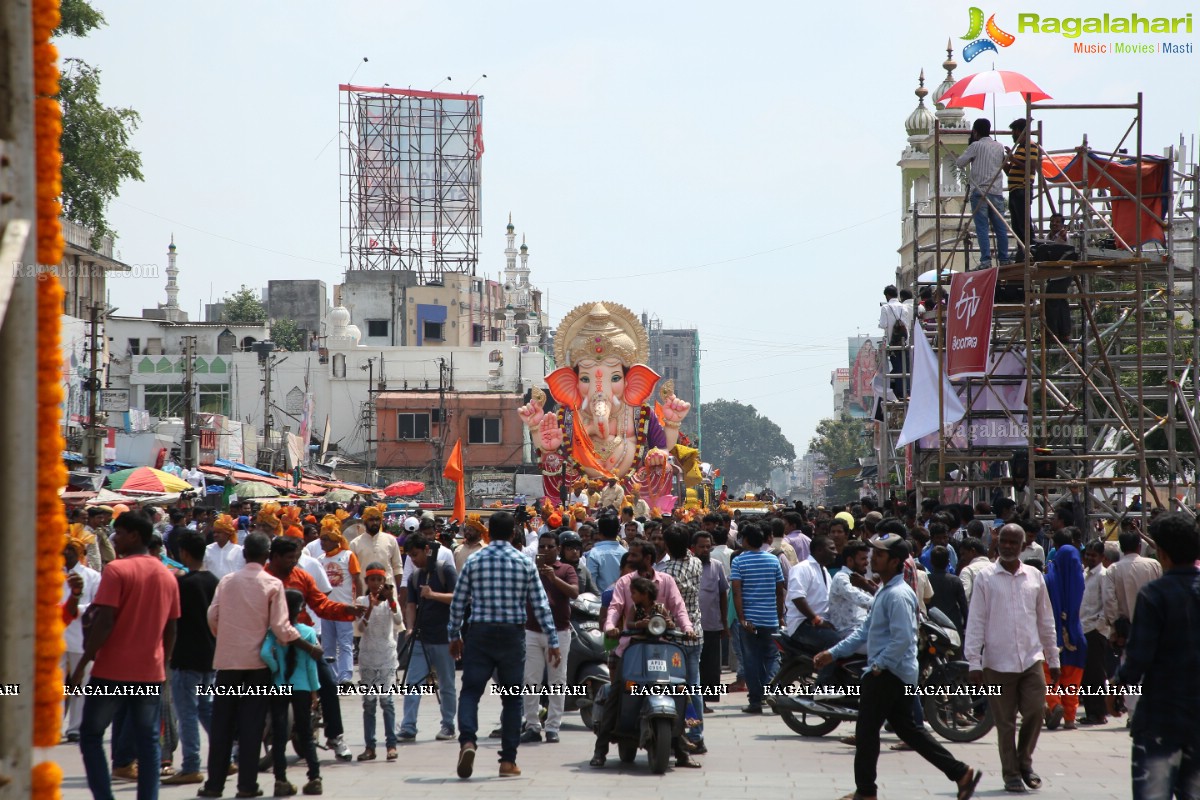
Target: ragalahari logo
{"points": [[995, 36]]}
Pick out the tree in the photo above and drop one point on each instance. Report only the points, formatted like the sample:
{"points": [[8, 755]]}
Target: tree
{"points": [[286, 335], [97, 156], [742, 443], [842, 443], [243, 306]]}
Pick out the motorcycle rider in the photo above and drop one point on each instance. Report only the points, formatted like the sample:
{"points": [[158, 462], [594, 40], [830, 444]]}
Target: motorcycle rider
{"points": [[890, 632], [620, 617], [808, 598], [570, 551]]}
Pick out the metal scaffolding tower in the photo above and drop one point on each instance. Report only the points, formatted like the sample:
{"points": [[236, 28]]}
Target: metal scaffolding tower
{"points": [[411, 168], [1092, 384]]}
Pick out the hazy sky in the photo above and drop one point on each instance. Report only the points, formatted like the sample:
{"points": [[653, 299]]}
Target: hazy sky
{"points": [[726, 165]]}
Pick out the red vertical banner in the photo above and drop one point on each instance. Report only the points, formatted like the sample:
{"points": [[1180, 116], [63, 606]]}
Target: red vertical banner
{"points": [[969, 326]]}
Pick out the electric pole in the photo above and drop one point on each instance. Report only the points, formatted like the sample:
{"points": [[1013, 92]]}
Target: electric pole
{"points": [[264, 350], [439, 443], [92, 434], [189, 432], [368, 417]]}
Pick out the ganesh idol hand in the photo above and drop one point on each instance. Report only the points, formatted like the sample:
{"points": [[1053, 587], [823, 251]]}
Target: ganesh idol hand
{"points": [[548, 435], [531, 414], [657, 458], [674, 410]]}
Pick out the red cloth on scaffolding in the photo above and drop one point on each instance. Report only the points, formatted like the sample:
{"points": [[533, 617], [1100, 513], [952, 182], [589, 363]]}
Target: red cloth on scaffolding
{"points": [[1114, 174]]}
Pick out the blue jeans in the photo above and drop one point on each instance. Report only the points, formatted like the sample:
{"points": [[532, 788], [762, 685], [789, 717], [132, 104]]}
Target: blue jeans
{"points": [[424, 657], [983, 214], [500, 649], [691, 660], [142, 718], [385, 678], [735, 648], [759, 654], [124, 744], [338, 640], [1162, 771], [193, 710], [818, 639]]}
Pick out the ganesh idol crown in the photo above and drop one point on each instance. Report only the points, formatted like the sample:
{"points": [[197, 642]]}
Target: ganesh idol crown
{"points": [[604, 427]]}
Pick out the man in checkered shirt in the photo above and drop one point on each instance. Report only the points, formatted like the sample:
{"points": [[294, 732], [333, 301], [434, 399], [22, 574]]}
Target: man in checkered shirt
{"points": [[500, 584]]}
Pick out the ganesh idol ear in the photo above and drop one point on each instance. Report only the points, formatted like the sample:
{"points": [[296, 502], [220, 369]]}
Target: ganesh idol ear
{"points": [[564, 386], [639, 383]]}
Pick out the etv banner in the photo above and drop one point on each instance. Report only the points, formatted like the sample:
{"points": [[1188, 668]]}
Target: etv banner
{"points": [[972, 295]]}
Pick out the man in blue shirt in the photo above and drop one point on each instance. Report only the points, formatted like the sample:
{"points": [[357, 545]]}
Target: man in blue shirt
{"points": [[890, 632], [604, 559], [758, 592], [939, 536]]}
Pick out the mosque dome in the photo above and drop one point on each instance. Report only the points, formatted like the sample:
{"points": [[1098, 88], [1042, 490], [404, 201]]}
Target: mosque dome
{"points": [[920, 122]]}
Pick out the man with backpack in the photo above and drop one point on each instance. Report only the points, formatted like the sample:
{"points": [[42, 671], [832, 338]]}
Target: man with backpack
{"points": [[895, 320]]}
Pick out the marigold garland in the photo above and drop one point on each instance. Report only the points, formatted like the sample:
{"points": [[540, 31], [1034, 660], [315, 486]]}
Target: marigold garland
{"points": [[46, 776]]}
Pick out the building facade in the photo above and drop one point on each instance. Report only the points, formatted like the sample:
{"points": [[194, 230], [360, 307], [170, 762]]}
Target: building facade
{"points": [[675, 355]]}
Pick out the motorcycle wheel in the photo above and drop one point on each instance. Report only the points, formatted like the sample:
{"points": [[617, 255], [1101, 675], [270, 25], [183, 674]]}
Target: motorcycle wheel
{"points": [[585, 712], [627, 751], [660, 754], [958, 718], [799, 674]]}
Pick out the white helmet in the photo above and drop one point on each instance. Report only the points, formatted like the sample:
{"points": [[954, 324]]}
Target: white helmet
{"points": [[411, 524]]}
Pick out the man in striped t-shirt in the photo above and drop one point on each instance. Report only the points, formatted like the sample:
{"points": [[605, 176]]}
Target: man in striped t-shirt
{"points": [[758, 592]]}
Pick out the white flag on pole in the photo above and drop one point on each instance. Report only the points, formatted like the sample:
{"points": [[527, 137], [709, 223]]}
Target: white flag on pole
{"points": [[922, 417]]}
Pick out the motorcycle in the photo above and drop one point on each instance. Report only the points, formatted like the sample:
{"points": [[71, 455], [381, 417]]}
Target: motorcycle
{"points": [[955, 713], [587, 664], [646, 719]]}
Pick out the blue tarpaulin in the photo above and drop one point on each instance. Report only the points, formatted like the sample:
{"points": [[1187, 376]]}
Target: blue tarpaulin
{"points": [[221, 463]]}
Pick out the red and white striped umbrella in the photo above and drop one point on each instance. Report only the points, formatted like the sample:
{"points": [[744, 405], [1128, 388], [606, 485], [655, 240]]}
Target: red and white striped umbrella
{"points": [[1004, 87]]}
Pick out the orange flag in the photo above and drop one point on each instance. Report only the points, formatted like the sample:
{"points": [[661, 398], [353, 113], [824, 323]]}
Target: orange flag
{"points": [[454, 472]]}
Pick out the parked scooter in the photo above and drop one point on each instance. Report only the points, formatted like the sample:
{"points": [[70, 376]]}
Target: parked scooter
{"points": [[587, 664], [648, 720], [955, 713]]}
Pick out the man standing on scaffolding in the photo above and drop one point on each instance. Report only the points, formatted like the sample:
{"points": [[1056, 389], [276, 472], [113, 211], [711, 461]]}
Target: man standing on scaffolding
{"points": [[1018, 191], [986, 157]]}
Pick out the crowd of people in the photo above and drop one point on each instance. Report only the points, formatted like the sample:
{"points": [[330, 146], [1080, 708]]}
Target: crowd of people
{"points": [[242, 623]]}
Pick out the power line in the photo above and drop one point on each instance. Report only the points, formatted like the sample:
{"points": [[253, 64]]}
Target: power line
{"points": [[727, 260], [230, 238]]}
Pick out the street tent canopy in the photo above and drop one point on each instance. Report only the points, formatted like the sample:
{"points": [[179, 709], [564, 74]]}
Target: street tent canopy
{"points": [[285, 486], [1118, 175], [146, 479], [249, 490], [404, 489]]}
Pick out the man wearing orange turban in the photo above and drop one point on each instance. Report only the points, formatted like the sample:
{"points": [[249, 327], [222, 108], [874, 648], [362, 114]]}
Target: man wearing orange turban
{"points": [[79, 589], [475, 538], [375, 544], [224, 555], [342, 569]]}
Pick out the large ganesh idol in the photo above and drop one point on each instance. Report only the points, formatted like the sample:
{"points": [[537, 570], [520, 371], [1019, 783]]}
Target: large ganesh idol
{"points": [[603, 427]]}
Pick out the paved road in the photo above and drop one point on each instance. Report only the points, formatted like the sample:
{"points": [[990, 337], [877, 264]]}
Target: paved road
{"points": [[751, 757]]}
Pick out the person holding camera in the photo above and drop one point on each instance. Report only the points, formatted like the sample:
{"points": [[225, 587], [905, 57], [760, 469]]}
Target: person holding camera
{"points": [[426, 615], [987, 158], [377, 658]]}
